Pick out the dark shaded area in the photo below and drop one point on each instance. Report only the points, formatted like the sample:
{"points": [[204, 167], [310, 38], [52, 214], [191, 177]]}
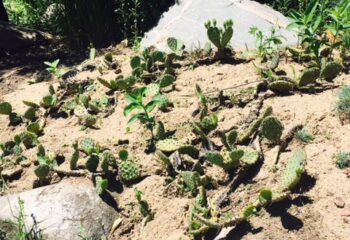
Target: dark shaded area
{"points": [[243, 229], [3, 14]]}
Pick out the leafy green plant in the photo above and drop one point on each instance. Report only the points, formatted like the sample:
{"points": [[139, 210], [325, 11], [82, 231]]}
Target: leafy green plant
{"points": [[267, 45], [50, 101], [136, 102], [342, 160], [46, 163], [52, 67], [120, 83], [220, 37], [304, 135]]}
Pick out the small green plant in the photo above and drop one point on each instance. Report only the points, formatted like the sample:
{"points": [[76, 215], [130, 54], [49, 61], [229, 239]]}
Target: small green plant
{"points": [[50, 101], [145, 210], [267, 45], [120, 83], [136, 102], [6, 109], [343, 105], [220, 37], [304, 135], [46, 163], [101, 185], [342, 160], [52, 67]]}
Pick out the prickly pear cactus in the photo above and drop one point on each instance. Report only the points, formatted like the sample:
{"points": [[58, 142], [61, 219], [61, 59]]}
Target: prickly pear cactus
{"points": [[163, 159], [75, 157], [129, 171], [175, 45], [331, 70], [191, 180], [15, 118], [29, 139], [308, 76], [5, 108], [87, 145], [281, 86], [152, 90], [189, 150], [42, 171], [108, 159], [92, 163], [30, 114], [159, 131], [272, 129], [101, 185], [34, 128], [250, 156], [168, 145], [209, 123], [226, 159], [294, 169], [166, 81], [220, 37]]}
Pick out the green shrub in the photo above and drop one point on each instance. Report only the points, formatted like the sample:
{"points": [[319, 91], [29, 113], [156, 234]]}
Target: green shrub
{"points": [[342, 160], [343, 105]]}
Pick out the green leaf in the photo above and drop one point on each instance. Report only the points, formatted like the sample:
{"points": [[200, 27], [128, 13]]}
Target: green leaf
{"points": [[151, 105], [5, 108], [131, 107]]}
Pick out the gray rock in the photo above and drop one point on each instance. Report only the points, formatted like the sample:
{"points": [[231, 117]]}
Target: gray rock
{"points": [[186, 20], [62, 210]]}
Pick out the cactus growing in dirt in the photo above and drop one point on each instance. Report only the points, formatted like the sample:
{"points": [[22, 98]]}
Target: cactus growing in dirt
{"points": [[128, 169], [294, 169], [6, 109], [250, 156], [343, 104], [226, 159], [281, 86], [342, 160], [330, 70], [92, 162], [42, 171], [89, 146], [50, 101], [120, 83], [75, 157], [108, 159], [145, 210], [175, 45], [191, 180], [272, 129], [220, 37], [229, 140], [101, 185], [29, 139], [308, 76], [168, 145]]}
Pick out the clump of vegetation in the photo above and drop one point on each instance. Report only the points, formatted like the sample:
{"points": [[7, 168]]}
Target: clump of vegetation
{"points": [[343, 105], [342, 160], [129, 169], [144, 207], [220, 37], [52, 67]]}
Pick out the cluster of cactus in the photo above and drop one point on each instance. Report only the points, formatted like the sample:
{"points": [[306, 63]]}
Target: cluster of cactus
{"points": [[220, 37], [6, 109], [12, 147], [50, 101], [232, 156], [200, 207], [129, 170], [120, 83], [191, 180], [146, 62], [46, 162]]}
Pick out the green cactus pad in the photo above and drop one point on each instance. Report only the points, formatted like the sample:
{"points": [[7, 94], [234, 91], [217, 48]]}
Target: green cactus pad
{"points": [[159, 131], [215, 158], [166, 81], [34, 128], [42, 171], [152, 90], [294, 169], [89, 120], [248, 211], [101, 185], [226, 159], [129, 171], [87, 145], [189, 150], [92, 163], [191, 180], [49, 101], [5, 108], [84, 99], [31, 104], [272, 129], [163, 158], [331, 70], [75, 157], [250, 156], [281, 86], [168, 145], [175, 45], [30, 114], [265, 196], [15, 118], [308, 76], [135, 62], [29, 139], [105, 83], [209, 123]]}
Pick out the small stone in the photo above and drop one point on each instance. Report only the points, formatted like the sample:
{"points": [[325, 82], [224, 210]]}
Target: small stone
{"points": [[339, 202]]}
